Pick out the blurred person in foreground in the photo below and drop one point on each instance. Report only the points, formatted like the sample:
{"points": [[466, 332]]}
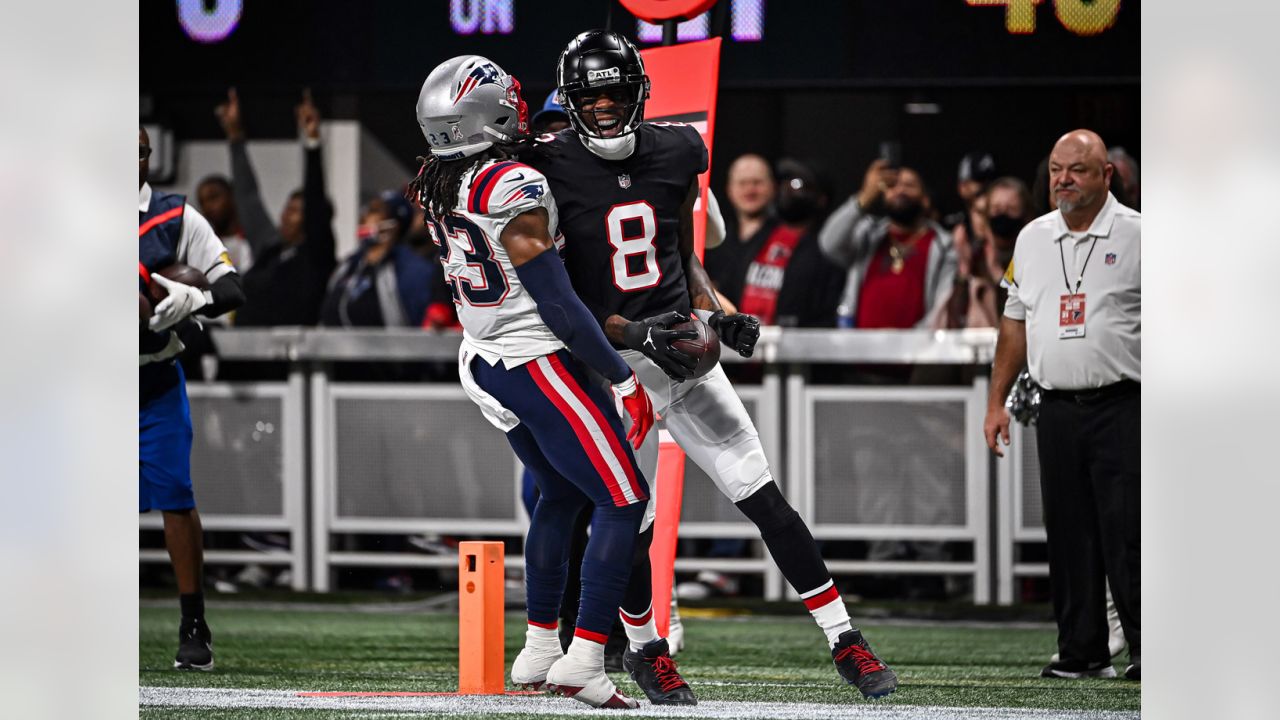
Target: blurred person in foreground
{"points": [[522, 321], [292, 263], [171, 231], [1074, 316], [901, 264]]}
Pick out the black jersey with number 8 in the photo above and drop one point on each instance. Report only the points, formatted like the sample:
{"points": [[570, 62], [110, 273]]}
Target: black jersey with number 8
{"points": [[620, 219]]}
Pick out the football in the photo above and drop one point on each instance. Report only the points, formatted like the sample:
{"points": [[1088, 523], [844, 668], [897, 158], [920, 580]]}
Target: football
{"points": [[180, 273], [705, 348]]}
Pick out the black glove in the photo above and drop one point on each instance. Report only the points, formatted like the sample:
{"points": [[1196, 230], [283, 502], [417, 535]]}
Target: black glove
{"points": [[739, 332], [653, 337]]}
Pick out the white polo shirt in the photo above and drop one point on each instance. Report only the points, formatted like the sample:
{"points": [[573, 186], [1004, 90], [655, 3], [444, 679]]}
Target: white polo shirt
{"points": [[1105, 345]]}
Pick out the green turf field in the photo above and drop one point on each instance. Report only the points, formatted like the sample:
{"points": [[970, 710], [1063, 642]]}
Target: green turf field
{"points": [[772, 660]]}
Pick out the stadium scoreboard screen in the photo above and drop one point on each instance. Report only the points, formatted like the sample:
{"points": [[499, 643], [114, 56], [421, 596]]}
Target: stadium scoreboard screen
{"points": [[822, 41]]}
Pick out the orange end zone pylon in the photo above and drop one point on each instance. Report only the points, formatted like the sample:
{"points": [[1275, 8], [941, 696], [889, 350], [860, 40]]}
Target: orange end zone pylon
{"points": [[480, 628], [480, 619], [666, 528]]}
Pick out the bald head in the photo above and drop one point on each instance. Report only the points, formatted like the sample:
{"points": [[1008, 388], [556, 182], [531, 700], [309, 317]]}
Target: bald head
{"points": [[750, 185], [1086, 143], [1079, 176]]}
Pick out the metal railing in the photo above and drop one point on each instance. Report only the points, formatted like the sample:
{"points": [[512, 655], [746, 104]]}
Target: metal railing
{"points": [[873, 463]]}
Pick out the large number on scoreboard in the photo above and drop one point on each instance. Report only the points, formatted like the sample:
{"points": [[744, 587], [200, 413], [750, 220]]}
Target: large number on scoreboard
{"points": [[1082, 17], [632, 229], [488, 285]]}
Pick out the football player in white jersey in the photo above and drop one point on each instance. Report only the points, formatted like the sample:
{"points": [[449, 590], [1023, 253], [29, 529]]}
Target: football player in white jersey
{"points": [[528, 342]]}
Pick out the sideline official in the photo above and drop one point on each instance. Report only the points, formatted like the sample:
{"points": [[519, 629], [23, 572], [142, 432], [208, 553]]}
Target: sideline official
{"points": [[1074, 317]]}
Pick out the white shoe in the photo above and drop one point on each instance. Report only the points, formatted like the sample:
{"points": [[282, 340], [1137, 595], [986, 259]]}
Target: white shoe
{"points": [[572, 677], [675, 630], [530, 668]]}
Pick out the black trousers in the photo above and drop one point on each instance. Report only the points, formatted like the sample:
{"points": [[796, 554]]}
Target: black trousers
{"points": [[1090, 477]]}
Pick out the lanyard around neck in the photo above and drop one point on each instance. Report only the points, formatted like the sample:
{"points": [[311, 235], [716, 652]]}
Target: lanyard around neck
{"points": [[1062, 256]]}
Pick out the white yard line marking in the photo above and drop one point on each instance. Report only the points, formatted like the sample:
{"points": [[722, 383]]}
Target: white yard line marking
{"points": [[482, 706]]}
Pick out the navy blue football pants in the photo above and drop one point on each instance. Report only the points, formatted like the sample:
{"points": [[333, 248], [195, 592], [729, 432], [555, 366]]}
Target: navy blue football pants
{"points": [[571, 439]]}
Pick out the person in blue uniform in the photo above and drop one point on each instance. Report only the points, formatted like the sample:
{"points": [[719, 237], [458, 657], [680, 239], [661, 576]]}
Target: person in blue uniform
{"points": [[171, 231]]}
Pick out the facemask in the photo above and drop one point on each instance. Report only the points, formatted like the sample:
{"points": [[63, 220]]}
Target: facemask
{"points": [[1006, 226], [906, 213], [796, 208]]}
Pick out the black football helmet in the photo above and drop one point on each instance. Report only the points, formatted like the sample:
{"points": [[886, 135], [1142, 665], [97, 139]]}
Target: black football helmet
{"points": [[600, 62]]}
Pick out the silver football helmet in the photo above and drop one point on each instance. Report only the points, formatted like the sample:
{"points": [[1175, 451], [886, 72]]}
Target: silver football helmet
{"points": [[467, 104]]}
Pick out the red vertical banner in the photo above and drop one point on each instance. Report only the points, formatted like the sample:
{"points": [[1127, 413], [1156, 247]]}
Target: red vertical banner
{"points": [[685, 79]]}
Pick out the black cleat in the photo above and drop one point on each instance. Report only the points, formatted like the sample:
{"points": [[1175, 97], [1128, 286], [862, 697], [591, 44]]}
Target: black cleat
{"points": [[195, 646], [615, 649], [655, 672], [1076, 669], [1134, 671], [860, 667]]}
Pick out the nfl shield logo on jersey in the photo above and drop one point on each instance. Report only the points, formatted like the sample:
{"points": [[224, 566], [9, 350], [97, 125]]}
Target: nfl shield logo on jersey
{"points": [[1111, 258], [624, 181]]}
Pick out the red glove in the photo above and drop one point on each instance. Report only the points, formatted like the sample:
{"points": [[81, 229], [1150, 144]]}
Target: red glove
{"points": [[638, 406]]}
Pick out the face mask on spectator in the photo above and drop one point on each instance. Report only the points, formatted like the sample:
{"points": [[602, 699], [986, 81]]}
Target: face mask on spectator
{"points": [[796, 208], [905, 211], [1006, 226]]}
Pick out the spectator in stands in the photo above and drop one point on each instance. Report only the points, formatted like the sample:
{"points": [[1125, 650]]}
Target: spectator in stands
{"points": [[984, 254], [292, 263], [383, 283], [1127, 168], [787, 280], [976, 170], [901, 265], [218, 205], [750, 191]]}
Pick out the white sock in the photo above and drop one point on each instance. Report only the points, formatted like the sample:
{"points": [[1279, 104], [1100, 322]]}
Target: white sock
{"points": [[828, 611], [537, 637], [641, 629], [586, 651]]}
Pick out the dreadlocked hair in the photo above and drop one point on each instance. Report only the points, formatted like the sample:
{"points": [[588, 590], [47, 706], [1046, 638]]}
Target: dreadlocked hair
{"points": [[438, 182]]}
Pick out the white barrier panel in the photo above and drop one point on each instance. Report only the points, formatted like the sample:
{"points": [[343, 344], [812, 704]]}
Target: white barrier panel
{"points": [[247, 466]]}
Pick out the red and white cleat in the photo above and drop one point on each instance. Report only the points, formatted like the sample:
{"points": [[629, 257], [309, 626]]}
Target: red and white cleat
{"points": [[572, 678]]}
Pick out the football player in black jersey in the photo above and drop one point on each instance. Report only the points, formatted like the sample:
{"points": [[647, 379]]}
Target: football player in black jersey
{"points": [[625, 190]]}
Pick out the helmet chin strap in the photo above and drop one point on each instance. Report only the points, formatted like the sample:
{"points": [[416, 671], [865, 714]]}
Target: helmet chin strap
{"points": [[618, 148]]}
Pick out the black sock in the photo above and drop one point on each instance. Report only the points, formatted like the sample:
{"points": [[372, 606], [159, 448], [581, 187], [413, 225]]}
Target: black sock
{"points": [[192, 605], [639, 594], [787, 537]]}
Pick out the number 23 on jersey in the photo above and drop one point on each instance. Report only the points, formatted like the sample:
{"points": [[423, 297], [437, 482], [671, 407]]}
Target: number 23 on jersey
{"points": [[481, 281]]}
